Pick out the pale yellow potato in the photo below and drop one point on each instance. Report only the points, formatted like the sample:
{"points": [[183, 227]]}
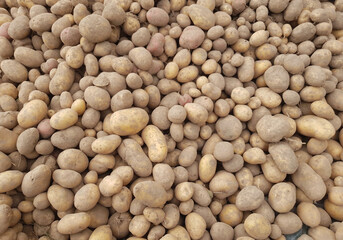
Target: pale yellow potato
{"points": [[313, 126], [156, 143], [195, 225], [207, 168], [150, 193], [63, 119], [73, 223], [10, 179], [106, 144], [128, 121], [32, 113]]}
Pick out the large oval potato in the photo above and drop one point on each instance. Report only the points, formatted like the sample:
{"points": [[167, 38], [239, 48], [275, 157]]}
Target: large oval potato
{"points": [[128, 121], [36, 181], [313, 126], [10, 180], [73, 223], [32, 113]]}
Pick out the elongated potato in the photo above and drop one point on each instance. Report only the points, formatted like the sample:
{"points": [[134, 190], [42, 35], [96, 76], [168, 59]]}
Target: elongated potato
{"points": [[156, 143], [36, 181], [128, 121], [73, 223], [309, 182], [131, 152], [313, 126]]}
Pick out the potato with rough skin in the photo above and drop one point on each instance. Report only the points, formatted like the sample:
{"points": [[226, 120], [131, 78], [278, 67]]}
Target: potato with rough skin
{"points": [[87, 197], [156, 143], [36, 181], [97, 98], [67, 178], [150, 193], [5, 217], [62, 80], [207, 167], [249, 198], [157, 16], [8, 140], [257, 226], [191, 37], [128, 121], [282, 197], [195, 225], [284, 157], [35, 60], [95, 28], [72, 159], [131, 152], [309, 214], [309, 182], [201, 16], [14, 70]]}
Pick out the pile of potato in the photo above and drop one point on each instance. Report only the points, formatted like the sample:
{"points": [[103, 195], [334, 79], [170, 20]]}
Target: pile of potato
{"points": [[171, 119]]}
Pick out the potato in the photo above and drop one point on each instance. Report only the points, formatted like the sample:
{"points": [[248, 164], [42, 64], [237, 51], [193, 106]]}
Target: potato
{"points": [[282, 197], [73, 223], [163, 174], [36, 57], [10, 179], [192, 37], [36, 181], [132, 153], [309, 214], [27, 141], [114, 13], [154, 215], [60, 198], [195, 225], [196, 113], [207, 168], [201, 16], [67, 138], [323, 130], [63, 119], [229, 133], [283, 157], [106, 144], [277, 78], [122, 200], [309, 182], [95, 34], [97, 98], [155, 142], [5, 217], [157, 16], [271, 128], [121, 126], [110, 185], [257, 226], [150, 193], [201, 195], [62, 80], [72, 159], [172, 216], [334, 99], [86, 197], [335, 211], [102, 232], [14, 70], [223, 151], [67, 178], [246, 70], [289, 223]]}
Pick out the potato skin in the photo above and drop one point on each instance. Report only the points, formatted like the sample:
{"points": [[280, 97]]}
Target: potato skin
{"points": [[316, 127], [156, 143], [309, 182], [36, 181], [128, 121], [73, 223], [150, 193], [5, 217], [10, 180], [95, 28], [133, 154]]}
